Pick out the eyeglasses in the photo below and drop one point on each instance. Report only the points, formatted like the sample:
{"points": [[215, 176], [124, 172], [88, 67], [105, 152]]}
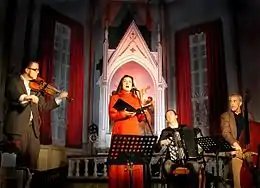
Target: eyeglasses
{"points": [[36, 70]]}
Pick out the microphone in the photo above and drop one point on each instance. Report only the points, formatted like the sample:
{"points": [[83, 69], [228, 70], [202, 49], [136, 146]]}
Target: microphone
{"points": [[134, 89]]}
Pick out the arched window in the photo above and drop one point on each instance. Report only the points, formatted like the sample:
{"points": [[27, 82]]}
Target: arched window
{"points": [[199, 81], [61, 62]]}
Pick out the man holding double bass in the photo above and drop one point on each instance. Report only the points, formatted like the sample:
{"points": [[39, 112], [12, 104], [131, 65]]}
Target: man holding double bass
{"points": [[233, 127], [22, 122]]}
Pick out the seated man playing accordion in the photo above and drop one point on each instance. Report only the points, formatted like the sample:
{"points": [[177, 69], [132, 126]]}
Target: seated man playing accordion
{"points": [[176, 153]]}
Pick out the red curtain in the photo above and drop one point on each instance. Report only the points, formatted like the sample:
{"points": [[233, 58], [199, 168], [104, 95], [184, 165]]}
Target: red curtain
{"points": [[76, 77], [145, 14], [217, 82], [76, 82], [113, 7], [110, 12], [217, 86], [46, 44], [183, 78]]}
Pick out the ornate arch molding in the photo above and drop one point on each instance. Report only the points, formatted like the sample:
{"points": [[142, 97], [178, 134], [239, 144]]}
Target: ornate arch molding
{"points": [[132, 48]]}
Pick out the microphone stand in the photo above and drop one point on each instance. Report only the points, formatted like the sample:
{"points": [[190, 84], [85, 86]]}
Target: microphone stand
{"points": [[203, 157], [203, 170], [146, 172]]}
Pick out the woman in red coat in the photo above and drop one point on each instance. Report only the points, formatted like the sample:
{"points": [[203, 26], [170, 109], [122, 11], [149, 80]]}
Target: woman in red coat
{"points": [[125, 123]]}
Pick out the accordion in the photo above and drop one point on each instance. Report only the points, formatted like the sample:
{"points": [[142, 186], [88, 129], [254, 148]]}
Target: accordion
{"points": [[189, 136], [183, 144]]}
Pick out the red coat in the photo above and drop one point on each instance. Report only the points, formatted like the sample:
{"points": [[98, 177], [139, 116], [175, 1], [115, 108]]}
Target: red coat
{"points": [[118, 174]]}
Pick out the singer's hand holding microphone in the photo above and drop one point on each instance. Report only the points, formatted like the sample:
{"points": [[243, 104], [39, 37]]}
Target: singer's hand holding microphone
{"points": [[134, 89]]}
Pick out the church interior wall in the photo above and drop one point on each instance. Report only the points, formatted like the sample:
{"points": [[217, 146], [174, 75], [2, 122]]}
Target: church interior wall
{"points": [[182, 14], [188, 13], [17, 49], [249, 43], [78, 11]]}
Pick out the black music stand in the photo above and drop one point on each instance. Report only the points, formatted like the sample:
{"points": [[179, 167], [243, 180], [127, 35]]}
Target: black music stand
{"points": [[129, 150], [215, 145]]}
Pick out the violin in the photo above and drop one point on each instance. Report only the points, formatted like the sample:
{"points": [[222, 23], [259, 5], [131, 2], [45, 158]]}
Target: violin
{"points": [[39, 85]]}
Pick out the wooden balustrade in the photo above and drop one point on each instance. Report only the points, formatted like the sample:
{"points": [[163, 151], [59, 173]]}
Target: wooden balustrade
{"points": [[95, 167]]}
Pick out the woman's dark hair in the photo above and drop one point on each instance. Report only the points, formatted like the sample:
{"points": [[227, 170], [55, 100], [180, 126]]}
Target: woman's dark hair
{"points": [[170, 110], [28, 64], [120, 85]]}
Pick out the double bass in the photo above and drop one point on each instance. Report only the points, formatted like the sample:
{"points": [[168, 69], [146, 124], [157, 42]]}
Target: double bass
{"points": [[248, 173]]}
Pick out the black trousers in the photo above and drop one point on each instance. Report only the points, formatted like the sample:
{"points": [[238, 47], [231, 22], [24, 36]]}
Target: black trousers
{"points": [[26, 147]]}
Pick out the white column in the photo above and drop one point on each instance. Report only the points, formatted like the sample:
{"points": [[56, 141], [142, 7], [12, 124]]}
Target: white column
{"points": [[70, 168], [77, 167], [105, 54], [86, 167], [160, 109], [162, 116], [103, 113], [157, 111], [159, 60]]}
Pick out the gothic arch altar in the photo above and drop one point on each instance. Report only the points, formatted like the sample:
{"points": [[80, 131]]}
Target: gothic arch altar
{"points": [[133, 57]]}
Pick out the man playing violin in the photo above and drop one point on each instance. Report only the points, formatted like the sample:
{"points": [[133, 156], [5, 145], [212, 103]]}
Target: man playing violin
{"points": [[22, 123], [232, 126]]}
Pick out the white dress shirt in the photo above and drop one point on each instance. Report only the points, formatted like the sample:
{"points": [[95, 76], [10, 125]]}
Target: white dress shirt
{"points": [[28, 91]]}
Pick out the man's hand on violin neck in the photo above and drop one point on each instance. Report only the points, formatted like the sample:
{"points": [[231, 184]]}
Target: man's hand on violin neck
{"points": [[63, 95], [33, 98]]}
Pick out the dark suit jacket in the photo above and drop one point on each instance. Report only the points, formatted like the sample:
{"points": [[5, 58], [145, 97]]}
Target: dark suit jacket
{"points": [[18, 115]]}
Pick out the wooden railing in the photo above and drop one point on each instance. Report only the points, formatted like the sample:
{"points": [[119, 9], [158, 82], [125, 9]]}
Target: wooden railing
{"points": [[95, 167]]}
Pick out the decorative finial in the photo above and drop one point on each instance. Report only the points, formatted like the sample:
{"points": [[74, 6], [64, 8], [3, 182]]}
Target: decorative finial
{"points": [[158, 33], [106, 31]]}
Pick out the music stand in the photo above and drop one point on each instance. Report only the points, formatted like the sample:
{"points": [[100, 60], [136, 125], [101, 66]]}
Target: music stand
{"points": [[129, 150], [215, 145]]}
